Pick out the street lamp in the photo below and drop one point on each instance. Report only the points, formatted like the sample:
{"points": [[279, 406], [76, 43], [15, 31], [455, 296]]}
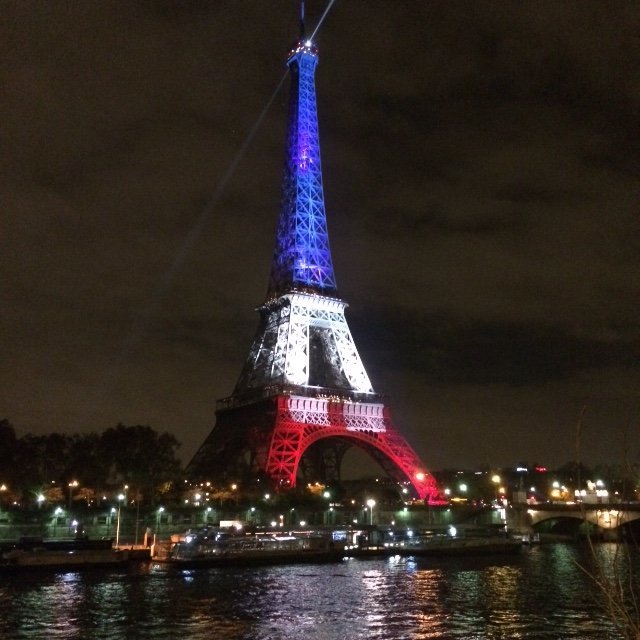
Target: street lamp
{"points": [[234, 489], [327, 514], [120, 499], [56, 514], [496, 479], [72, 485], [371, 503], [159, 518], [137, 513]]}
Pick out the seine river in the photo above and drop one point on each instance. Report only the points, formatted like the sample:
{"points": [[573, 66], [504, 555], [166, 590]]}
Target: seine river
{"points": [[542, 594]]}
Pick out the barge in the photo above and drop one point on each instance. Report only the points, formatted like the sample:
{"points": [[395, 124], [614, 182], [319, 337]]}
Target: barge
{"points": [[65, 554]]}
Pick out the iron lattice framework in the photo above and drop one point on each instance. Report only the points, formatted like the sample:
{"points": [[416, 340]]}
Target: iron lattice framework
{"points": [[302, 258], [304, 340], [304, 385]]}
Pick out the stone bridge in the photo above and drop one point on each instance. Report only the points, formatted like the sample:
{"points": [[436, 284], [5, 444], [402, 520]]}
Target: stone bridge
{"points": [[605, 516]]}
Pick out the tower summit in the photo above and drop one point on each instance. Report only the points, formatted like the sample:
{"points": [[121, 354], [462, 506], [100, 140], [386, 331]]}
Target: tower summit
{"points": [[303, 397]]}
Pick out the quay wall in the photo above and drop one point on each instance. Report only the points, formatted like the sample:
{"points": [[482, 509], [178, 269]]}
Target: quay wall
{"points": [[97, 523]]}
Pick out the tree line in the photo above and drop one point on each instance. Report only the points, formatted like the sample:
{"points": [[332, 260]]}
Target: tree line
{"points": [[77, 467]]}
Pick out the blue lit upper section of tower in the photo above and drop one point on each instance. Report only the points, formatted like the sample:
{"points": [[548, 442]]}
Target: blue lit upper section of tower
{"points": [[302, 257]]}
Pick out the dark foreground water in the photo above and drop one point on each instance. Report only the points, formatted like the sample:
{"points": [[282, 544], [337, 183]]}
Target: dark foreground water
{"points": [[542, 594]]}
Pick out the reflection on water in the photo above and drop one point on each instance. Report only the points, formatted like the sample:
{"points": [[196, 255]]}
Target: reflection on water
{"points": [[542, 595]]}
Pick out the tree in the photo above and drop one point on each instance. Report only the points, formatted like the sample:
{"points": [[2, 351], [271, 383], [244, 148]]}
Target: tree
{"points": [[7, 450], [140, 457], [87, 463]]}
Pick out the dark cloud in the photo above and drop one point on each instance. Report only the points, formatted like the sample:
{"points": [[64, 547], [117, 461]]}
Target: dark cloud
{"points": [[480, 169], [444, 350]]}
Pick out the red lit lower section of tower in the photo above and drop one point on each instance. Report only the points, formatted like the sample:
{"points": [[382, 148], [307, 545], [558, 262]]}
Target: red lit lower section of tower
{"points": [[302, 421]]}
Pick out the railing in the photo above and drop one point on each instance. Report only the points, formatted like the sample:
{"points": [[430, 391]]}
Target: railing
{"points": [[324, 393]]}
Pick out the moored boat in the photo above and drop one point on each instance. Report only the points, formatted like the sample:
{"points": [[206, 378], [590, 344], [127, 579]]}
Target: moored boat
{"points": [[70, 553], [449, 546], [219, 549], [62, 558], [441, 546]]}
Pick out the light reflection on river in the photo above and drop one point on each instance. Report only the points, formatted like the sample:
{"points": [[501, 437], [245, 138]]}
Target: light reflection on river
{"points": [[541, 595]]}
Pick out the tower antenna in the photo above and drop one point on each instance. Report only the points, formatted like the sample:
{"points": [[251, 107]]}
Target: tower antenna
{"points": [[301, 19]]}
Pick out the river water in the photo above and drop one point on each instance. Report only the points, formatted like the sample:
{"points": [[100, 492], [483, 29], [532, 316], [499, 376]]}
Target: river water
{"points": [[542, 594]]}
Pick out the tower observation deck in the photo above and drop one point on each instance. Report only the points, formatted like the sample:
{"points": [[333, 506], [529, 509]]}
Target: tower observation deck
{"points": [[303, 397]]}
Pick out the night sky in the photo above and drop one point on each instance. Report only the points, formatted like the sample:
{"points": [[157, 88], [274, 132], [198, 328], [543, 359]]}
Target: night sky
{"points": [[481, 164]]}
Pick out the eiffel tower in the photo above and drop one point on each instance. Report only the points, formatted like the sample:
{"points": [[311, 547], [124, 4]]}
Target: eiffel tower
{"points": [[303, 397]]}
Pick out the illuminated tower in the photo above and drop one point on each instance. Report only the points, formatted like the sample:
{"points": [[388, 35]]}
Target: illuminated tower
{"points": [[303, 397]]}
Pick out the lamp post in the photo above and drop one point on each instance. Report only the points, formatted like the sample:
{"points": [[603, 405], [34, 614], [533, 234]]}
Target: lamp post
{"points": [[72, 485], [371, 503], [137, 513], [159, 518], [56, 514], [120, 499], [327, 496], [234, 489], [496, 481]]}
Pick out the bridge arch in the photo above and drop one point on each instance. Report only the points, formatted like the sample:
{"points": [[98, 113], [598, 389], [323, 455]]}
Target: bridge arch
{"points": [[603, 516]]}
